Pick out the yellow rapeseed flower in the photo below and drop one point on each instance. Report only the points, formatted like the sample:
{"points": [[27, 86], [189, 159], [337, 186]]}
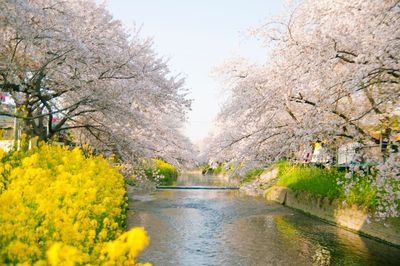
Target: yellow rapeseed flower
{"points": [[60, 207]]}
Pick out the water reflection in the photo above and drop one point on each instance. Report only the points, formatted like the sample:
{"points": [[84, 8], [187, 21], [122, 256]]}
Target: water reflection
{"points": [[211, 227], [307, 248], [187, 179]]}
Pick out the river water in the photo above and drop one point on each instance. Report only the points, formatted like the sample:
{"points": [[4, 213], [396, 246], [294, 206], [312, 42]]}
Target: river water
{"points": [[220, 227]]}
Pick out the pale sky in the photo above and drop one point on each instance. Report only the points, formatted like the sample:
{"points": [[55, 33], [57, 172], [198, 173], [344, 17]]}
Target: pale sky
{"points": [[196, 36]]}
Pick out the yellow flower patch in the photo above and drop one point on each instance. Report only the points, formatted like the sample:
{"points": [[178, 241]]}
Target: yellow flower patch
{"points": [[58, 207]]}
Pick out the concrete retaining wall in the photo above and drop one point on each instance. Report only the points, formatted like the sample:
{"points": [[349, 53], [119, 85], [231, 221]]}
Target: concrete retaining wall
{"points": [[349, 217]]}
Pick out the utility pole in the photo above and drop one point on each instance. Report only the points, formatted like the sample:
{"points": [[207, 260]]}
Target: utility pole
{"points": [[16, 129]]}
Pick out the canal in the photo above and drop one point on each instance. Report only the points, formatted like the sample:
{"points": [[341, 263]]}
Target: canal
{"points": [[223, 227]]}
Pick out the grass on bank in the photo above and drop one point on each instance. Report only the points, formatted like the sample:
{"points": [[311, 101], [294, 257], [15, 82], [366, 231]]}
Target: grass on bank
{"points": [[321, 182], [315, 180], [324, 182], [251, 175]]}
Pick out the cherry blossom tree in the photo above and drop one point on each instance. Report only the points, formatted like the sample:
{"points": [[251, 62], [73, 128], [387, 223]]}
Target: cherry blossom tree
{"points": [[68, 65], [333, 75]]}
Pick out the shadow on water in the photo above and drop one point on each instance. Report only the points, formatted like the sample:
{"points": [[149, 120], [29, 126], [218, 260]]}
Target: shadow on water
{"points": [[329, 245], [211, 227]]}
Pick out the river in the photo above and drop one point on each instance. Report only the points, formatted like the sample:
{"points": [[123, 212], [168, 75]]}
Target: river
{"points": [[224, 227]]}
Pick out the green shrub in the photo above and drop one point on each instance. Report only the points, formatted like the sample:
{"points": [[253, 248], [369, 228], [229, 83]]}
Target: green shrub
{"points": [[168, 171], [162, 172], [362, 193], [203, 168], [218, 170]]}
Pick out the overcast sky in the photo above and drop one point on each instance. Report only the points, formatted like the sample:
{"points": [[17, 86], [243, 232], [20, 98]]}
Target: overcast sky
{"points": [[196, 36]]}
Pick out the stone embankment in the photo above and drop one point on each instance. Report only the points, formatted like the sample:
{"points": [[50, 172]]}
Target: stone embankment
{"points": [[265, 181], [336, 212]]}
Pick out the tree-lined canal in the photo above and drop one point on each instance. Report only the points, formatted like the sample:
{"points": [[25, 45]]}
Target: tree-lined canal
{"points": [[212, 227]]}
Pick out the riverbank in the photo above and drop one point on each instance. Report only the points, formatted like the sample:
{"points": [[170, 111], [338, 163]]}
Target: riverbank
{"points": [[335, 212], [331, 209]]}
